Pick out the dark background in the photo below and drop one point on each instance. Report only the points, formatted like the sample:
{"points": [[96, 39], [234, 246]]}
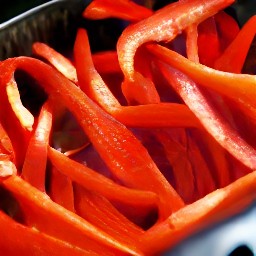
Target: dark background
{"points": [[11, 8]]}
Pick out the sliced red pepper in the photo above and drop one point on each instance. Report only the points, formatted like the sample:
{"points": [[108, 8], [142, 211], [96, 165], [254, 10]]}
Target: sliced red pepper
{"points": [[149, 115], [234, 86], [177, 155], [163, 25], [101, 61], [101, 213], [61, 189], [123, 9], [209, 48], [212, 121], [217, 160], [98, 183], [233, 58], [89, 79], [157, 115], [34, 167], [33, 242], [203, 177], [227, 28], [38, 209], [191, 43], [110, 138], [16, 120], [60, 62], [218, 205]]}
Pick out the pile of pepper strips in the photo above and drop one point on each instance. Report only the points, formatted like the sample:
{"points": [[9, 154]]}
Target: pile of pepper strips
{"points": [[134, 149]]}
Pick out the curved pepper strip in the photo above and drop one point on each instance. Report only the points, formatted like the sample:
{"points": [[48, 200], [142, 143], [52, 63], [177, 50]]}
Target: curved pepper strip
{"points": [[238, 87], [38, 209], [225, 83], [98, 183], [163, 25], [100, 212], [228, 29], [127, 159], [39, 243], [177, 154], [15, 119], [212, 121], [191, 43], [150, 115], [34, 167], [99, 92], [218, 205], [217, 158], [233, 58], [101, 62], [141, 90], [208, 42], [61, 63], [123, 9], [203, 177], [61, 189], [89, 79], [157, 115]]}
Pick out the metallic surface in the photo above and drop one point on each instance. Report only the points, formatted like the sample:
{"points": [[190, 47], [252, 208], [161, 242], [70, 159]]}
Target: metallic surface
{"points": [[56, 19]]}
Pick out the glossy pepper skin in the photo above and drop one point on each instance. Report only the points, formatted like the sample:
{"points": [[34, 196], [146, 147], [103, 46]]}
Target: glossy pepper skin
{"points": [[151, 149]]}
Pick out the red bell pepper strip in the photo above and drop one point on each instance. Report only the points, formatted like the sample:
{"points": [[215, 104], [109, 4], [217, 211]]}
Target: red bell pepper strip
{"points": [[203, 177], [212, 121], [234, 86], [60, 62], [221, 82], [61, 189], [100, 212], [233, 58], [99, 86], [34, 167], [227, 28], [177, 155], [141, 90], [217, 160], [157, 115], [16, 120], [123, 9], [101, 62], [89, 79], [148, 115], [38, 209], [98, 183], [17, 239], [209, 48], [163, 25], [218, 205], [191, 43], [111, 139]]}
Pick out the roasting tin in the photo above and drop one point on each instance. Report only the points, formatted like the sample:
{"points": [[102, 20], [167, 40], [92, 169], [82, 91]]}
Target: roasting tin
{"points": [[55, 23]]}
